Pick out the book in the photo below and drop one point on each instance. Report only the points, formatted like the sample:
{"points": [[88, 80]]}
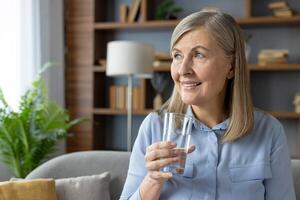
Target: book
{"points": [[274, 52], [135, 98], [123, 13], [134, 9], [112, 96], [278, 5], [143, 15], [120, 97], [283, 13], [267, 56]]}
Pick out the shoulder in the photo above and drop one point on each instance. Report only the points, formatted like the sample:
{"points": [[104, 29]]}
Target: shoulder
{"points": [[267, 131], [151, 128], [266, 135], [152, 120], [264, 123]]}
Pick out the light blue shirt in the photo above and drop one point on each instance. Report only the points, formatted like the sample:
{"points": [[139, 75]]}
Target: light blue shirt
{"points": [[255, 167]]}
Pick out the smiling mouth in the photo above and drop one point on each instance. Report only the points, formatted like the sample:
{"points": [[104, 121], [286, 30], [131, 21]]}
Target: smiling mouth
{"points": [[192, 85]]}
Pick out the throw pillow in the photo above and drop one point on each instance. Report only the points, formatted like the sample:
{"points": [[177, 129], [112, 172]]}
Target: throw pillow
{"points": [[28, 190], [92, 187]]}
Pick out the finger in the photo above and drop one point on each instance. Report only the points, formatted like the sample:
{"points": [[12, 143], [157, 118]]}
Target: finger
{"points": [[191, 148], [160, 176], [157, 164], [162, 145], [160, 153]]}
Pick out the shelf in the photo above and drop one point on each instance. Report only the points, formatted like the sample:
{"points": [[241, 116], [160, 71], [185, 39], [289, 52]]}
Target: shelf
{"points": [[264, 20], [108, 111], [172, 23], [275, 67], [286, 115], [148, 24]]}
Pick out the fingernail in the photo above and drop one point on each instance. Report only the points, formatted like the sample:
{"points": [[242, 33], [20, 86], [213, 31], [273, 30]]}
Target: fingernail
{"points": [[170, 174]]}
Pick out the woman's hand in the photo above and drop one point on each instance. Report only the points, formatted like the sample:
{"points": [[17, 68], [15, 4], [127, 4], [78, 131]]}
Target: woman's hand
{"points": [[159, 155]]}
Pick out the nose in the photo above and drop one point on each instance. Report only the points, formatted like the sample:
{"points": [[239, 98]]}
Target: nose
{"points": [[185, 66]]}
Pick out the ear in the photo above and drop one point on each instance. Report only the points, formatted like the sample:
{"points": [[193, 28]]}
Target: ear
{"points": [[230, 73]]}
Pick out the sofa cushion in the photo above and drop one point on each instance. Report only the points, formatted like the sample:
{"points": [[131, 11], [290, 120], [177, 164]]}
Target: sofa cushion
{"points": [[92, 187], [87, 163], [28, 190]]}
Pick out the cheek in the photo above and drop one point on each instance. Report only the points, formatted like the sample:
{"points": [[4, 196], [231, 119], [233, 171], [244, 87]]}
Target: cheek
{"points": [[174, 73]]}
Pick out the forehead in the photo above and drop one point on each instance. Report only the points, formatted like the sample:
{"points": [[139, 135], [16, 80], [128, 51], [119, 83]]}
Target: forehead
{"points": [[199, 36]]}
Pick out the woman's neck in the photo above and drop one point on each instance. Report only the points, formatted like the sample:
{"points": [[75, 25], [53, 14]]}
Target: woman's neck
{"points": [[210, 115]]}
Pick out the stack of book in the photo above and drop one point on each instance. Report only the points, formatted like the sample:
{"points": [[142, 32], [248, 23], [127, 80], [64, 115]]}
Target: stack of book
{"points": [[118, 97], [162, 59], [272, 56], [280, 9]]}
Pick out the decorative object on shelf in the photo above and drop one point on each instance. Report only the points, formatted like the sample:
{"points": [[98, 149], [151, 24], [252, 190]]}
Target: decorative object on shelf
{"points": [[281, 9], [272, 56], [29, 135], [167, 10], [297, 102], [131, 59], [162, 84]]}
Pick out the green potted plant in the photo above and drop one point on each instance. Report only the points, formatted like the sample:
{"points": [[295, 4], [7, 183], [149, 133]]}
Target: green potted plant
{"points": [[167, 10], [29, 135]]}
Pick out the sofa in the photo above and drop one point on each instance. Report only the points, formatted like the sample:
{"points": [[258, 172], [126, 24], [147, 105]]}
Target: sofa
{"points": [[116, 162]]}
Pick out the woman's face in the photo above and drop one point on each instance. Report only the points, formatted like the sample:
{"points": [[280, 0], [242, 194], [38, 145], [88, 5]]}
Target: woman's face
{"points": [[200, 69]]}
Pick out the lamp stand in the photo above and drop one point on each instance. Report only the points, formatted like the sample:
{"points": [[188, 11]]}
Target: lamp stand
{"points": [[129, 111]]}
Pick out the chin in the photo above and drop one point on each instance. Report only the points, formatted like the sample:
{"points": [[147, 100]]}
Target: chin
{"points": [[188, 101]]}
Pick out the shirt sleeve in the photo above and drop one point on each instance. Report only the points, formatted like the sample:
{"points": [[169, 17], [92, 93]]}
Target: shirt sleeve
{"points": [[280, 186], [148, 133]]}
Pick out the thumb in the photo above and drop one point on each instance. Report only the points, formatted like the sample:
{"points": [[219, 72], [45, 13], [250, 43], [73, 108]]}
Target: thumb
{"points": [[191, 148]]}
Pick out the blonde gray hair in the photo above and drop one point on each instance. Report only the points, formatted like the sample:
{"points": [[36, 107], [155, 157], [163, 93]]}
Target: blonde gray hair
{"points": [[226, 32]]}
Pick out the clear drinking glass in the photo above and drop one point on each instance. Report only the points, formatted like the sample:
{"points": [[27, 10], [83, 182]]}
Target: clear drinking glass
{"points": [[177, 128]]}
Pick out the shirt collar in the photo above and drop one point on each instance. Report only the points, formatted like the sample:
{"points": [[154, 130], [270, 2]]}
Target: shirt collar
{"points": [[221, 127]]}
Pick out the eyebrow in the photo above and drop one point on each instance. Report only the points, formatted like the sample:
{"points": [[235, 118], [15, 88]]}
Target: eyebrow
{"points": [[196, 47]]}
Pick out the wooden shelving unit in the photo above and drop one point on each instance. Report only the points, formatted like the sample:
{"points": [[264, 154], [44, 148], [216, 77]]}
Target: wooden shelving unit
{"points": [[88, 31], [269, 20]]}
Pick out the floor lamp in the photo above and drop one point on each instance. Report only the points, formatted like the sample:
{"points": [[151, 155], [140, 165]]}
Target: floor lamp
{"points": [[131, 59]]}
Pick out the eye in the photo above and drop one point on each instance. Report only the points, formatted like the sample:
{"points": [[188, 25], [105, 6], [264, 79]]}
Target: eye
{"points": [[199, 55], [177, 56]]}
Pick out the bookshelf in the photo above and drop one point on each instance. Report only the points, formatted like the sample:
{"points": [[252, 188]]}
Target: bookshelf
{"points": [[90, 25]]}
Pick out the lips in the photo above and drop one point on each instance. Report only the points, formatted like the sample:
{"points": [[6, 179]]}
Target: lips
{"points": [[190, 84]]}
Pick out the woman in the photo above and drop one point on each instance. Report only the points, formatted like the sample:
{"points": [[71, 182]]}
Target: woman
{"points": [[239, 153]]}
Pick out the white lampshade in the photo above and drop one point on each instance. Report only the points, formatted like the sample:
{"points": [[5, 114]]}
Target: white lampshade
{"points": [[129, 58]]}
